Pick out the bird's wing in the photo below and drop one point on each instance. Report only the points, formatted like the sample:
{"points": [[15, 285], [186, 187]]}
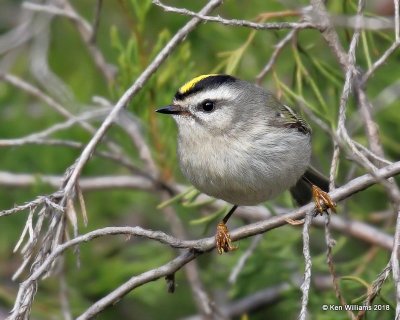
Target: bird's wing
{"points": [[290, 119]]}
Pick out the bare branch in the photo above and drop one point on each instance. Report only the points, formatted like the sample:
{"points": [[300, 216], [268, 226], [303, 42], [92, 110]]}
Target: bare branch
{"points": [[328, 32], [395, 262], [21, 34], [355, 229], [330, 243], [84, 29], [243, 259], [131, 127], [201, 298], [31, 205], [235, 22], [368, 23], [278, 49], [364, 23], [378, 63], [39, 136], [96, 21], [48, 9], [87, 184], [137, 281], [305, 287], [64, 301], [202, 245], [36, 92], [266, 297], [375, 289], [397, 20]]}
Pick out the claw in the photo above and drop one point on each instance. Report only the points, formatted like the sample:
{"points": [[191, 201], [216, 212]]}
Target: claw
{"points": [[223, 240], [322, 200], [294, 222]]}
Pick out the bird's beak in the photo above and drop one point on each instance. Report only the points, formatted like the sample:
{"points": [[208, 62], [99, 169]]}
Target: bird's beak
{"points": [[172, 109]]}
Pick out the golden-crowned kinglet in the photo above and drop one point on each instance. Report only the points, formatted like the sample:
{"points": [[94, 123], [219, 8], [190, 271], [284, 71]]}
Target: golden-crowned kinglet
{"points": [[238, 143]]}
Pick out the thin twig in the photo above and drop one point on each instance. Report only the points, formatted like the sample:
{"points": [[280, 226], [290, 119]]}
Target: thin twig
{"points": [[359, 230], [39, 136], [375, 289], [32, 204], [235, 22], [243, 259], [394, 259], [267, 297], [201, 297], [349, 68], [278, 49], [132, 128], [378, 63], [305, 287], [48, 8], [36, 92], [64, 299], [41, 95], [85, 30], [397, 20], [328, 32], [330, 243], [96, 21], [392, 189]]}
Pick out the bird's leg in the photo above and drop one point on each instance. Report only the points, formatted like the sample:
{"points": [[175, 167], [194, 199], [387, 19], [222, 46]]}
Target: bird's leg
{"points": [[223, 240], [322, 200]]}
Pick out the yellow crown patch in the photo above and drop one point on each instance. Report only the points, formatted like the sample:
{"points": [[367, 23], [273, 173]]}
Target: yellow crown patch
{"points": [[190, 84]]}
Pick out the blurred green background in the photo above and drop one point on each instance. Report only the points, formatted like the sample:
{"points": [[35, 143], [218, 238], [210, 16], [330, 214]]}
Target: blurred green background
{"points": [[130, 34]]}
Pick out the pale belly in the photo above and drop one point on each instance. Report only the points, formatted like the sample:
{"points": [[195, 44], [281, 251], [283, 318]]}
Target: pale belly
{"points": [[246, 174]]}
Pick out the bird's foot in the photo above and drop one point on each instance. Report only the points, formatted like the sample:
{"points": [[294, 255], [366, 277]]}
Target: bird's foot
{"points": [[223, 240], [294, 222], [322, 200]]}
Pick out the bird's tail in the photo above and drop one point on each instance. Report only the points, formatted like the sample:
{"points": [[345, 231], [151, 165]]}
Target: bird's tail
{"points": [[301, 191]]}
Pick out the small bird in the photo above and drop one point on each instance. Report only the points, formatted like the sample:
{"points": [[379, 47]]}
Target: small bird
{"points": [[238, 143]]}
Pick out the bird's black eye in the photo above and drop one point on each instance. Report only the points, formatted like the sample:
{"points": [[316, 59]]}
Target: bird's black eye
{"points": [[207, 105]]}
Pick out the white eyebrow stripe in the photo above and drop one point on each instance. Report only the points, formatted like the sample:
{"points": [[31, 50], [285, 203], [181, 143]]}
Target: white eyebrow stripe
{"points": [[219, 93]]}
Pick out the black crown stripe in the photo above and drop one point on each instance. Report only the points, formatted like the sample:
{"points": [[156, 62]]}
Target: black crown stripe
{"points": [[213, 81]]}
